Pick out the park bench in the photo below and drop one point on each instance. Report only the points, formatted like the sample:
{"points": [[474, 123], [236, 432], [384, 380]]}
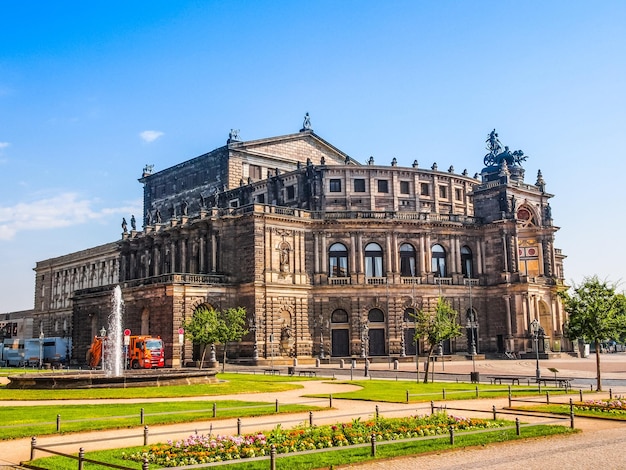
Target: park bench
{"points": [[310, 373], [271, 371], [563, 382], [497, 379]]}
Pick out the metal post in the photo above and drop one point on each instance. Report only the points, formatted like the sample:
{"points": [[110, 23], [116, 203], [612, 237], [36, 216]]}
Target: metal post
{"points": [[451, 436], [58, 423], [443, 393], [407, 396], [81, 458], [509, 396], [432, 407], [214, 410], [310, 418], [273, 457], [276, 408], [145, 465], [145, 435], [377, 414], [476, 391], [493, 408], [610, 393], [517, 427], [33, 445], [580, 393], [330, 400], [373, 441], [571, 414], [239, 426], [141, 416], [547, 397]]}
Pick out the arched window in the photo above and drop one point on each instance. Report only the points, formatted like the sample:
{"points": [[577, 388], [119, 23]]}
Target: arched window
{"points": [[407, 260], [438, 261], [409, 314], [376, 315], [467, 268], [339, 316], [373, 260], [338, 260]]}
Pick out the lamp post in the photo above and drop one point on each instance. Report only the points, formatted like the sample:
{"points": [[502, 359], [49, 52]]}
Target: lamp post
{"points": [[364, 339], [534, 328], [41, 337], [471, 322], [103, 333]]}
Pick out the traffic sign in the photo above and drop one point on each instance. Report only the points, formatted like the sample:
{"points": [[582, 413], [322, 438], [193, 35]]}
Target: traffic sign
{"points": [[127, 332], [181, 331]]}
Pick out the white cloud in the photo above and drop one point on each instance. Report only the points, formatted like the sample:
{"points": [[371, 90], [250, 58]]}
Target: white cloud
{"points": [[4, 145], [62, 210], [150, 136]]}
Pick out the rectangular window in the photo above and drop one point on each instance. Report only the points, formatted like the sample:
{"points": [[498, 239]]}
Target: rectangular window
{"points": [[443, 192], [383, 186], [424, 189], [260, 199], [335, 186], [359, 185], [291, 192], [404, 187], [458, 194], [256, 172], [234, 203]]}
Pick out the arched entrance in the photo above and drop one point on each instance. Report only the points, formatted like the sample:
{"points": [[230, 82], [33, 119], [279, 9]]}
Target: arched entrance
{"points": [[340, 333], [376, 333]]}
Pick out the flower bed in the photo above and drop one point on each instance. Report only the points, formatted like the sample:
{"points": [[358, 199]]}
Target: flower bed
{"points": [[615, 406], [198, 449]]}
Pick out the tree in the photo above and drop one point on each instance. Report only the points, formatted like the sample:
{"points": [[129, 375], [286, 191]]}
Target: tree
{"points": [[209, 326], [203, 328], [596, 313], [436, 328]]}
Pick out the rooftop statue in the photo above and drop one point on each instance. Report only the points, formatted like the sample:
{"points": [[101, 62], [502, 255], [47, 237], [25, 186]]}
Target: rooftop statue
{"points": [[306, 125], [497, 155]]}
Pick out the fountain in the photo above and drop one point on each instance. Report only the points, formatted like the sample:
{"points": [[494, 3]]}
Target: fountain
{"points": [[113, 362]]}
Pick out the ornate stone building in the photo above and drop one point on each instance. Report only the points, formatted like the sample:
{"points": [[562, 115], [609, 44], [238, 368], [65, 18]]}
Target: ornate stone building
{"points": [[329, 257]]}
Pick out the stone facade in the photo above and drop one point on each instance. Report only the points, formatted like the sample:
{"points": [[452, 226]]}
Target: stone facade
{"points": [[330, 257]]}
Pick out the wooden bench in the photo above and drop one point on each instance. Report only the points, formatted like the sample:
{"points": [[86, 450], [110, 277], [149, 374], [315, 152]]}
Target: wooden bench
{"points": [[497, 379], [563, 382], [310, 373], [271, 371]]}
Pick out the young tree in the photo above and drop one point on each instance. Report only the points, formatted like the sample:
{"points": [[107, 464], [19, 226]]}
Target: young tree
{"points": [[596, 313], [436, 327], [232, 328], [203, 328]]}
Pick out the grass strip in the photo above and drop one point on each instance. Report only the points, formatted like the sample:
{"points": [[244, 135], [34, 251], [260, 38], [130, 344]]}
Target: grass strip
{"points": [[20, 421], [337, 456], [615, 415], [396, 391], [230, 384]]}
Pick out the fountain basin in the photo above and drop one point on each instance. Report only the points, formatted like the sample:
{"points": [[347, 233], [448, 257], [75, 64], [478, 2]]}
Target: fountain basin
{"points": [[99, 379]]}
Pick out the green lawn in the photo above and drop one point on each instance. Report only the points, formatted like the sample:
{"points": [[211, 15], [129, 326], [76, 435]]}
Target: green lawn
{"points": [[335, 457], [230, 383], [395, 391], [20, 421]]}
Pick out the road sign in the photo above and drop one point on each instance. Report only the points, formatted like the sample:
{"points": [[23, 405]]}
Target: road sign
{"points": [[181, 331], [127, 332]]}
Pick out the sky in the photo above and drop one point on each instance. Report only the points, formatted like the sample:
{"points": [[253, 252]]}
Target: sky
{"points": [[91, 92]]}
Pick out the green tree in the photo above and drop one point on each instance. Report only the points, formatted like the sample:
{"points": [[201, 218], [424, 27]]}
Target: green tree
{"points": [[232, 328], [596, 313], [436, 327], [203, 328]]}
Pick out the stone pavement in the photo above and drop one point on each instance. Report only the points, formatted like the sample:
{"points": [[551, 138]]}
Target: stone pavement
{"points": [[614, 365]]}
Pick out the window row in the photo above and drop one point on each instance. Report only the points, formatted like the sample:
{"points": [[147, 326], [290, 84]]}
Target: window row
{"points": [[374, 267], [382, 186]]}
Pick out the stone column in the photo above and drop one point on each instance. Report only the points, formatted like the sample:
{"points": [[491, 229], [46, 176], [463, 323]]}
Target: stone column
{"points": [[422, 254], [505, 256], [213, 267], [202, 248], [324, 253], [183, 255]]}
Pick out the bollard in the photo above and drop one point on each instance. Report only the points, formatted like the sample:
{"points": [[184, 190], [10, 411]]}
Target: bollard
{"points": [[395, 364], [239, 426], [310, 418], [376, 413], [277, 408], [58, 423], [571, 413], [517, 427], [341, 363], [317, 362], [273, 457], [493, 408], [330, 400], [81, 458], [547, 397], [509, 396], [141, 417], [580, 394], [591, 387], [145, 465], [443, 393], [432, 407], [214, 409], [451, 436], [145, 435], [373, 441], [407, 396], [610, 393], [33, 444], [476, 391]]}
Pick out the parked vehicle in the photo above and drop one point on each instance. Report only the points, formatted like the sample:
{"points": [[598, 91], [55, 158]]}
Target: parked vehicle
{"points": [[33, 351], [142, 352]]}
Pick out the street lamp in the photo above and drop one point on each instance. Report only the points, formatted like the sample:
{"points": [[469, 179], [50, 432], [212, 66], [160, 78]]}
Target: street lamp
{"points": [[103, 333], [364, 339], [41, 337], [534, 328], [472, 324]]}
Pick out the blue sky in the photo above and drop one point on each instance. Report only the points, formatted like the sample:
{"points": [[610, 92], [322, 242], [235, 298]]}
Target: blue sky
{"points": [[90, 92]]}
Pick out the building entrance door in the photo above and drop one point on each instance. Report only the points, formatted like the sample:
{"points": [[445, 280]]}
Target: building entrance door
{"points": [[340, 343], [377, 342]]}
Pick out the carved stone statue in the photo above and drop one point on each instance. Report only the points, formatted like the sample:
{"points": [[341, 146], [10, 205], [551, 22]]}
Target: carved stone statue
{"points": [[184, 207], [157, 216], [133, 223], [124, 225], [306, 125]]}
